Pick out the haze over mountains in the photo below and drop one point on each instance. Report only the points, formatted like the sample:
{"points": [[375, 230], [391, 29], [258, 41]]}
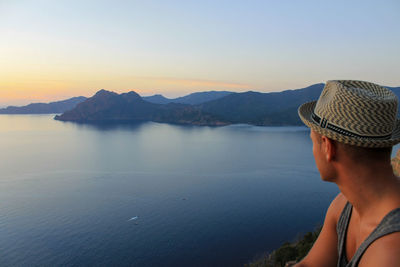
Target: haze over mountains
{"points": [[201, 108]]}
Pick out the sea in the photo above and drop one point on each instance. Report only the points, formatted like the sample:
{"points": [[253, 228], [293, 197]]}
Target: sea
{"points": [[153, 194]]}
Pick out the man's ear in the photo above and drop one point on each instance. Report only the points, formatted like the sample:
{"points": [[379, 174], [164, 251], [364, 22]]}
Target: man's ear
{"points": [[329, 148]]}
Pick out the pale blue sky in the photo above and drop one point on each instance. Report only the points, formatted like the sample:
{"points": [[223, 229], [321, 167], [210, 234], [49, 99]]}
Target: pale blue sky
{"points": [[57, 49]]}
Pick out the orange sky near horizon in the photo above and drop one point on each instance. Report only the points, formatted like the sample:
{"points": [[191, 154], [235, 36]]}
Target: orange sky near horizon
{"points": [[33, 90], [18, 91], [54, 50]]}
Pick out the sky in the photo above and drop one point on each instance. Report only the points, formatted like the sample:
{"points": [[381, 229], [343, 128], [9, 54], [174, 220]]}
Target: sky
{"points": [[52, 50]]}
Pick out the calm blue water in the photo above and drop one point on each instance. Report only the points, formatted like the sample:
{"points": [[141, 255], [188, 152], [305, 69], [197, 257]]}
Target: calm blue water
{"points": [[202, 196]]}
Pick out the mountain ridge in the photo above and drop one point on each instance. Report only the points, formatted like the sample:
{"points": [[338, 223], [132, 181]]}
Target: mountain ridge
{"points": [[255, 108], [191, 99], [212, 108], [106, 106], [44, 108], [277, 108]]}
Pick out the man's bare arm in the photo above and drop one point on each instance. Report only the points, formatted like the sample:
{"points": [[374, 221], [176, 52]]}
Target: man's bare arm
{"points": [[324, 252]]}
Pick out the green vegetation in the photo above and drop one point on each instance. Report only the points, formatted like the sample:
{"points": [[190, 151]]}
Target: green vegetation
{"points": [[288, 252]]}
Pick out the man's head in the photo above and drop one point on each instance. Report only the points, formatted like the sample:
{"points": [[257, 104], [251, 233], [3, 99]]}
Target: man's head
{"points": [[355, 113], [352, 122], [329, 153]]}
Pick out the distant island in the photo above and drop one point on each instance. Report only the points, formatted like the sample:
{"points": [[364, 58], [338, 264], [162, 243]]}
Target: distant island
{"points": [[212, 108]]}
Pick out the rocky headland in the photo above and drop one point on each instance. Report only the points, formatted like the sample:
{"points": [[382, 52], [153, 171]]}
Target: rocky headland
{"points": [[206, 108], [106, 106]]}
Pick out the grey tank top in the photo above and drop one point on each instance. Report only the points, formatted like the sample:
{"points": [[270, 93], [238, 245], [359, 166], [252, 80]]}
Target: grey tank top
{"points": [[389, 224]]}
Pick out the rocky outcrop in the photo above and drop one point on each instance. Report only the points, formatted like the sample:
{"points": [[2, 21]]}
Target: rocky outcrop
{"points": [[396, 163], [106, 106], [288, 254], [205, 108]]}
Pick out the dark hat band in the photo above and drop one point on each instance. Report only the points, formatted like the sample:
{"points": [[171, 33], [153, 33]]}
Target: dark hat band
{"points": [[325, 124]]}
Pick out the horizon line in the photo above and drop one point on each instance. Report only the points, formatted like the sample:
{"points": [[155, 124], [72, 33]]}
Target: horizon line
{"points": [[145, 95], [154, 94]]}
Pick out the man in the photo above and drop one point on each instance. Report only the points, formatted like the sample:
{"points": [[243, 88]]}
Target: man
{"points": [[353, 128]]}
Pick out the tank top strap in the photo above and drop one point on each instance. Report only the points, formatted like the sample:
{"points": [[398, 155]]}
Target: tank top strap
{"points": [[389, 224], [341, 230]]}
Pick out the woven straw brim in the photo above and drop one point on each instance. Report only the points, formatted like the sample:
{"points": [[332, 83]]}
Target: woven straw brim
{"points": [[307, 109]]}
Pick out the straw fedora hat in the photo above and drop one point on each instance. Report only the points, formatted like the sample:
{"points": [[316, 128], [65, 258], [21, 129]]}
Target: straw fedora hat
{"points": [[354, 112]]}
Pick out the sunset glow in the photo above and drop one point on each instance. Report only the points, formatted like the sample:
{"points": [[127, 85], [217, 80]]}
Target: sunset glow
{"points": [[178, 47]]}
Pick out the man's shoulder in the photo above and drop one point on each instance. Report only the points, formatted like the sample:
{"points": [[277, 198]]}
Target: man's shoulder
{"points": [[384, 251], [340, 199], [336, 207]]}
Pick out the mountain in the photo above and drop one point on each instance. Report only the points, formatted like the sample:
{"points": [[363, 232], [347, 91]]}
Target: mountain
{"points": [[157, 99], [278, 108], [191, 99], [106, 106], [201, 97], [44, 108], [250, 107], [264, 109]]}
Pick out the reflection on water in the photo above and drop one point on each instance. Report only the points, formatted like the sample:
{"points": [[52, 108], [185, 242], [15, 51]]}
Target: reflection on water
{"points": [[206, 196], [108, 126]]}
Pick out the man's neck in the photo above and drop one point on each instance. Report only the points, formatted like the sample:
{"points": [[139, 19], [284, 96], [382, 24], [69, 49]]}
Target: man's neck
{"points": [[372, 189]]}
